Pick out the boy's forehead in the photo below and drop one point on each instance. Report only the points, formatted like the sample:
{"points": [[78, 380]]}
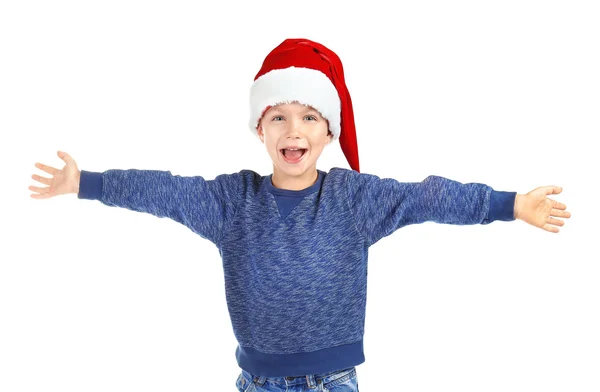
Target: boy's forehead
{"points": [[292, 106]]}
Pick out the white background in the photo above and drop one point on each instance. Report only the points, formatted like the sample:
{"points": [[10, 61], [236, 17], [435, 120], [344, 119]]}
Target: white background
{"points": [[95, 298]]}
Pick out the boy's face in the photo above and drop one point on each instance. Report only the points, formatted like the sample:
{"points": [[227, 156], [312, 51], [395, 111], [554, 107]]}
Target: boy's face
{"points": [[294, 125]]}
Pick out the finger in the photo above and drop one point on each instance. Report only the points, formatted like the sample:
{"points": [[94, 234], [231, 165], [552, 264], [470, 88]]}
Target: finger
{"points": [[40, 195], [560, 213], [46, 168], [558, 205], [39, 190], [550, 228], [555, 222], [43, 180], [553, 190]]}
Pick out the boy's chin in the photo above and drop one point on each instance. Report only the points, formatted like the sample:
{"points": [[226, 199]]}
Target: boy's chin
{"points": [[296, 169]]}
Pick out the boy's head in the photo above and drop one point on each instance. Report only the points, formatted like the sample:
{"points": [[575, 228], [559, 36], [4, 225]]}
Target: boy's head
{"points": [[299, 98], [295, 136]]}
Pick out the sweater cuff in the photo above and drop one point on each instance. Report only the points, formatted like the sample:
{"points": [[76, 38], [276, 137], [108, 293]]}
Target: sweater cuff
{"points": [[502, 206], [90, 185]]}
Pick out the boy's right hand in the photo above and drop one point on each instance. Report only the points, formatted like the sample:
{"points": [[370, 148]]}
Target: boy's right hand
{"points": [[62, 182]]}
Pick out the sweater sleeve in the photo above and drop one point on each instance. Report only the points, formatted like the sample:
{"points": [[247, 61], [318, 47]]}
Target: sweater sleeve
{"points": [[382, 205], [204, 206]]}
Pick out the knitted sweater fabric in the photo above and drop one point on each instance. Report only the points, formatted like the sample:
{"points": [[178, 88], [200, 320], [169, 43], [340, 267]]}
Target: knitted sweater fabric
{"points": [[295, 262]]}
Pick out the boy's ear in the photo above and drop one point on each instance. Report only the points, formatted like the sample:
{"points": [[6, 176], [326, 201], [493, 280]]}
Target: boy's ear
{"points": [[260, 133], [329, 133]]}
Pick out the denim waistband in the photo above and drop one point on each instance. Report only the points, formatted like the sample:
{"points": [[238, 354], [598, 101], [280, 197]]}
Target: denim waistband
{"points": [[312, 380]]}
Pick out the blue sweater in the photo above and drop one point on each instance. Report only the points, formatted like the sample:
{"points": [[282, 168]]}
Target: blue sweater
{"points": [[295, 262]]}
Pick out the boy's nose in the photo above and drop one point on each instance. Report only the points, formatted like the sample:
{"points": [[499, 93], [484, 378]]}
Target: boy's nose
{"points": [[295, 128]]}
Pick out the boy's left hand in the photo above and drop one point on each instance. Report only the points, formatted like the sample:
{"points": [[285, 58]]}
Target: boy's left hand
{"points": [[538, 210]]}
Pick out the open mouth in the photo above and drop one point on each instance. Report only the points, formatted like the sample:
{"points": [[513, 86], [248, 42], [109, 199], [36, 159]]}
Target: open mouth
{"points": [[293, 156]]}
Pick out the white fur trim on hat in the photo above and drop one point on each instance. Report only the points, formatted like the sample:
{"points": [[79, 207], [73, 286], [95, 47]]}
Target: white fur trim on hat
{"points": [[304, 85]]}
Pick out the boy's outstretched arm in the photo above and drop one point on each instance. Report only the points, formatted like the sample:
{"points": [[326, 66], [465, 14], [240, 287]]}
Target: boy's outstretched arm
{"points": [[382, 205], [206, 207], [540, 211]]}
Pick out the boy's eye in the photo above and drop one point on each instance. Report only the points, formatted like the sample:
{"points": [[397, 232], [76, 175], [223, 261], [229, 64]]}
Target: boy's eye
{"points": [[280, 118]]}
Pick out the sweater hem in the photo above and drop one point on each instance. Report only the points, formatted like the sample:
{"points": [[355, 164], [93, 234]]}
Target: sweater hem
{"points": [[300, 364]]}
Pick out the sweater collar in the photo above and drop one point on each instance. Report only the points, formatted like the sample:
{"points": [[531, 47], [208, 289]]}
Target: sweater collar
{"points": [[288, 192]]}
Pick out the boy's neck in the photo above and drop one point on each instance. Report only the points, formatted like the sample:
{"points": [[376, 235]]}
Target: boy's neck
{"points": [[294, 183]]}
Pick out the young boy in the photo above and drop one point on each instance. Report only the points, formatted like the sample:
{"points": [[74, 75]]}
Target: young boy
{"points": [[295, 243]]}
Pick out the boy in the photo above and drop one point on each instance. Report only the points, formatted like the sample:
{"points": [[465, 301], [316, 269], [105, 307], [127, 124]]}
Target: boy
{"points": [[298, 311]]}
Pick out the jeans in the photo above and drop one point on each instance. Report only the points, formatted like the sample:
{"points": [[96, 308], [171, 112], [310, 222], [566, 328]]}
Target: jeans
{"points": [[337, 381]]}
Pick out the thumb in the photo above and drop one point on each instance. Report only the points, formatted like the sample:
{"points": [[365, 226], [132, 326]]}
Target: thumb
{"points": [[64, 156], [552, 190]]}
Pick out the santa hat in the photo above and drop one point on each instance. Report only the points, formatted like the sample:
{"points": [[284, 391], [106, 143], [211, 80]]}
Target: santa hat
{"points": [[300, 70]]}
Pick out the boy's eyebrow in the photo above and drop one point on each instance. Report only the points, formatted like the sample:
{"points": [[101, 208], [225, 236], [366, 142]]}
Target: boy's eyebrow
{"points": [[311, 109], [308, 108]]}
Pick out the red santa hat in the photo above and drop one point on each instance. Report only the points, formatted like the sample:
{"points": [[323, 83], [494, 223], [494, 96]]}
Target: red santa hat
{"points": [[304, 71]]}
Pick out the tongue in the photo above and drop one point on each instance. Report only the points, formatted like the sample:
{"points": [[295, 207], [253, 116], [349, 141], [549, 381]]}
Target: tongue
{"points": [[293, 154]]}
